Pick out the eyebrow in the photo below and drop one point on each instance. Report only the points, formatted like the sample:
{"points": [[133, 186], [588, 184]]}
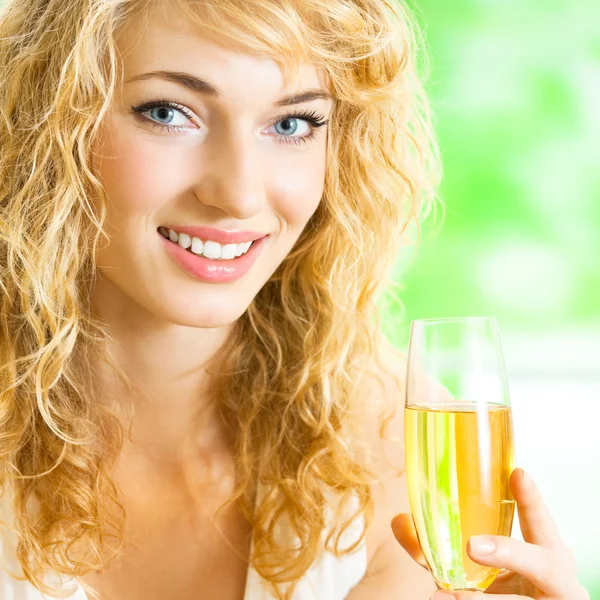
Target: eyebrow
{"points": [[202, 86]]}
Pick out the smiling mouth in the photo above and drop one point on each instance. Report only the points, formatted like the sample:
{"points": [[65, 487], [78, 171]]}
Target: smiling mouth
{"points": [[206, 248]]}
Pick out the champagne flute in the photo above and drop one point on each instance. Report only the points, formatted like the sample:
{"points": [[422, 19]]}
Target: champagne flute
{"points": [[459, 444]]}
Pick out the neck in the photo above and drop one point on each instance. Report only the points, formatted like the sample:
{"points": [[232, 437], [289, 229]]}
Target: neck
{"points": [[167, 365]]}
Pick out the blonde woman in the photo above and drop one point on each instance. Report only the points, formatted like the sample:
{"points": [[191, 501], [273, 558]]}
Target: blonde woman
{"points": [[199, 203]]}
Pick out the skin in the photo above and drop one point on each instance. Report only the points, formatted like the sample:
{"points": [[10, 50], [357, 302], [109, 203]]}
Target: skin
{"points": [[230, 170]]}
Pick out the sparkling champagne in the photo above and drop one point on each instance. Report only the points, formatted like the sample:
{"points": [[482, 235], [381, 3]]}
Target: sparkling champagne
{"points": [[459, 458]]}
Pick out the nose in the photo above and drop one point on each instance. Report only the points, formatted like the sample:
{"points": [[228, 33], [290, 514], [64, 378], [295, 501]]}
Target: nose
{"points": [[233, 179]]}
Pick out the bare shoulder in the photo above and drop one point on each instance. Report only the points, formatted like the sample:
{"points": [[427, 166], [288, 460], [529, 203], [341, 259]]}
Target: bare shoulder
{"points": [[390, 570]]}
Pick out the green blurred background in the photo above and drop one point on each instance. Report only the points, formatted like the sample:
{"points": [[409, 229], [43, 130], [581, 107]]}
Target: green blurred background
{"points": [[515, 86]]}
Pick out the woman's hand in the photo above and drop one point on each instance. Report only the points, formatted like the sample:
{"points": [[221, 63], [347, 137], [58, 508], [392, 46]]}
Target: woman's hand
{"points": [[541, 567]]}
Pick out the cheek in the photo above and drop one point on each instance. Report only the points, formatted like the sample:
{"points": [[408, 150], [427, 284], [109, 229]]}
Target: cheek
{"points": [[298, 189], [138, 175], [141, 173]]}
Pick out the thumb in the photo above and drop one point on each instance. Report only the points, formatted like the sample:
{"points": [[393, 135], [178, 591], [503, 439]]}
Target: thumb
{"points": [[404, 531]]}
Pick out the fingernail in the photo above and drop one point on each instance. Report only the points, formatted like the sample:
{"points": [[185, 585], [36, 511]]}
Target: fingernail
{"points": [[441, 596], [482, 545]]}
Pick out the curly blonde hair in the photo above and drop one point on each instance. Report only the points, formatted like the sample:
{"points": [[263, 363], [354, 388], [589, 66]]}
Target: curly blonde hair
{"points": [[288, 386]]}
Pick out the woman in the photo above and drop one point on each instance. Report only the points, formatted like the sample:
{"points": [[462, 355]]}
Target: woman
{"points": [[199, 205]]}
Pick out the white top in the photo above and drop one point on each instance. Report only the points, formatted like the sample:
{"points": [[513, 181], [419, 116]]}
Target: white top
{"points": [[329, 577]]}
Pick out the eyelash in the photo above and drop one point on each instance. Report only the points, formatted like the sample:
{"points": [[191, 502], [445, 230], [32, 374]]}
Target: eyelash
{"points": [[311, 117]]}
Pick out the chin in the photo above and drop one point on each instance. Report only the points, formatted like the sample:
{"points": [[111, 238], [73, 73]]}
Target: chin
{"points": [[209, 308], [202, 315], [206, 321]]}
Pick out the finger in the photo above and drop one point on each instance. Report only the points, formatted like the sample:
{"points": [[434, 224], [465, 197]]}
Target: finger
{"points": [[404, 531], [474, 596], [537, 524], [535, 563]]}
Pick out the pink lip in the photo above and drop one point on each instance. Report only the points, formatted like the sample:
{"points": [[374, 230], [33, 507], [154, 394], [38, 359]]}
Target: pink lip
{"points": [[213, 271], [217, 235]]}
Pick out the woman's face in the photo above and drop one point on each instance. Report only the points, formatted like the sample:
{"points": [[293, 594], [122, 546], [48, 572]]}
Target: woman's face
{"points": [[208, 144]]}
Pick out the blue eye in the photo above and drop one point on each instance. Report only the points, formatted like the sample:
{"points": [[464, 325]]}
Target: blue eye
{"points": [[164, 110], [162, 113], [291, 125], [167, 113]]}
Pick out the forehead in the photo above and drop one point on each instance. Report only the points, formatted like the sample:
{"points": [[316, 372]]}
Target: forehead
{"points": [[164, 40]]}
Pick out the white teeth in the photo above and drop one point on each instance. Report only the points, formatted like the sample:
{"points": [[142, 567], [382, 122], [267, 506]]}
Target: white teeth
{"points": [[212, 250], [197, 246], [209, 249], [229, 251], [185, 241]]}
